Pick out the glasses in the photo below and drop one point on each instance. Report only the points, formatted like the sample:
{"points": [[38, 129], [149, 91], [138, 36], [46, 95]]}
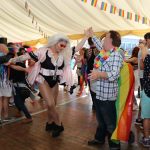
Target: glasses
{"points": [[141, 43], [62, 46]]}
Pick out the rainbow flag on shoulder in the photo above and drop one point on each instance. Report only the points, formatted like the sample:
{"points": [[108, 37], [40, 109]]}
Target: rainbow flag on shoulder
{"points": [[124, 103]]}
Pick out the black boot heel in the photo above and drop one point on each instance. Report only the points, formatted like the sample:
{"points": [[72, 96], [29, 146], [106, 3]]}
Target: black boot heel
{"points": [[50, 127], [57, 130]]}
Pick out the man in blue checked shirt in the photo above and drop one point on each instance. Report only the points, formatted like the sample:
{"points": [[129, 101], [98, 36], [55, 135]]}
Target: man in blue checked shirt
{"points": [[104, 78]]}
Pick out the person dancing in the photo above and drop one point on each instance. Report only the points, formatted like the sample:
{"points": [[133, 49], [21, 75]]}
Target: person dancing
{"points": [[50, 62]]}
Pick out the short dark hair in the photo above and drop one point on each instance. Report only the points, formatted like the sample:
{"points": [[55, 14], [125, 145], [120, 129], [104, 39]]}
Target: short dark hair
{"points": [[116, 38], [147, 36], [10, 44]]}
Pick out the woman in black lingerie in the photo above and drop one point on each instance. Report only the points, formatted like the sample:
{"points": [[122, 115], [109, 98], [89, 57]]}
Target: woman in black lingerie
{"points": [[50, 61]]}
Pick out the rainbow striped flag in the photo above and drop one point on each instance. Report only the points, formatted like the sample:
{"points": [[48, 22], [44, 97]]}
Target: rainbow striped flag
{"points": [[121, 12], [94, 3], [112, 9], [103, 6], [129, 15], [144, 20], [124, 103], [85, 1], [137, 18]]}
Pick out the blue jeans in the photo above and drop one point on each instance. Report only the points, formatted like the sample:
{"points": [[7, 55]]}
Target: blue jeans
{"points": [[106, 117], [19, 102]]}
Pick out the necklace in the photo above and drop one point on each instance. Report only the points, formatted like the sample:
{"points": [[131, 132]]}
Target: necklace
{"points": [[102, 57]]}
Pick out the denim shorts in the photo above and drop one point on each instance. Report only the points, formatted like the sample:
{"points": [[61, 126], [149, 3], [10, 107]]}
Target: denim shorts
{"points": [[145, 106]]}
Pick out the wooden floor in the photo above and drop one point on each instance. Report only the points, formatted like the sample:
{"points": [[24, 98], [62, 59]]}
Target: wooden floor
{"points": [[79, 122]]}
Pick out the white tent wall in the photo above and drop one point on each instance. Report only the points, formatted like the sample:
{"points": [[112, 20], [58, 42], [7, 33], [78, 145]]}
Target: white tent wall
{"points": [[70, 17]]}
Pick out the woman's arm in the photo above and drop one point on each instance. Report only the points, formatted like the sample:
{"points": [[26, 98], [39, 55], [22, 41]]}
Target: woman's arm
{"points": [[20, 58], [132, 60], [87, 34], [80, 44], [19, 68]]}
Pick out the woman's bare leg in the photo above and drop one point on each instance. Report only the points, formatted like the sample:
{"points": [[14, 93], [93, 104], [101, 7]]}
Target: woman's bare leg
{"points": [[55, 93], [5, 106], [1, 107], [47, 94]]}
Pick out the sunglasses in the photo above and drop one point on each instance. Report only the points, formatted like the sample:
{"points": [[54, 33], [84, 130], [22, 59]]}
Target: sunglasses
{"points": [[141, 43], [62, 46]]}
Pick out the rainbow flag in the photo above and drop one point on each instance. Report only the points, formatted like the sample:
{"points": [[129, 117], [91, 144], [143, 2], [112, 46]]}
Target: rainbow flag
{"points": [[144, 20], [129, 15], [121, 12], [137, 18], [124, 103], [103, 6], [112, 9], [85, 1], [94, 3]]}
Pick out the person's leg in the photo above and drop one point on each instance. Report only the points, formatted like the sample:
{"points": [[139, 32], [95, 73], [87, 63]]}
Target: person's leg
{"points": [[47, 94], [5, 106], [146, 126], [19, 101], [101, 128], [1, 107], [55, 93], [93, 100], [108, 111]]}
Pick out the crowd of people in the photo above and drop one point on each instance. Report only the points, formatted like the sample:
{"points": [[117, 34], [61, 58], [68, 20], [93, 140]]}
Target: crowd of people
{"points": [[98, 67]]}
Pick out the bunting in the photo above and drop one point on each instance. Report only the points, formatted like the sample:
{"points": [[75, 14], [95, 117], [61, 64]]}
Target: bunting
{"points": [[118, 11], [34, 22], [103, 6], [113, 9], [94, 3], [129, 15], [144, 20], [121, 12], [85, 1], [137, 18]]}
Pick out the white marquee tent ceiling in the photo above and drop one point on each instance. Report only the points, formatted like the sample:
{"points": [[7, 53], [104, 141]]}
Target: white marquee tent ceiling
{"points": [[66, 16]]}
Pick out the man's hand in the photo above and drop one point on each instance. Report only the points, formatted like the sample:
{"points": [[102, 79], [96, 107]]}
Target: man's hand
{"points": [[94, 75]]}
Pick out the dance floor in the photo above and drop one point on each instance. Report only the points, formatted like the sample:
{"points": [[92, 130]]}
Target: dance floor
{"points": [[77, 117]]}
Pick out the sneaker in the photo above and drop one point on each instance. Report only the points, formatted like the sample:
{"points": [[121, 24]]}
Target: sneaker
{"points": [[72, 88], [95, 142], [138, 121], [145, 142]]}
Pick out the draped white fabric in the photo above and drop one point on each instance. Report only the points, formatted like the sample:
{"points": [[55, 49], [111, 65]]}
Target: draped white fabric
{"points": [[65, 16]]}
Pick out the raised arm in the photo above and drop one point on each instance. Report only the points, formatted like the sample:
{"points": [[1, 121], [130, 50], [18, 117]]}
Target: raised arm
{"points": [[82, 42]]}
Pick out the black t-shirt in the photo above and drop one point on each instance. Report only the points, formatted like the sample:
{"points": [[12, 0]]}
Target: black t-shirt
{"points": [[90, 61], [18, 76], [146, 76]]}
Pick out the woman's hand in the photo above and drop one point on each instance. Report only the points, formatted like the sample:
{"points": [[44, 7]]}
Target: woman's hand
{"points": [[88, 32]]}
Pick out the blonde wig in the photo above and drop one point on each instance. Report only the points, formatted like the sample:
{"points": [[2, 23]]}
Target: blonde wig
{"points": [[67, 52]]}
